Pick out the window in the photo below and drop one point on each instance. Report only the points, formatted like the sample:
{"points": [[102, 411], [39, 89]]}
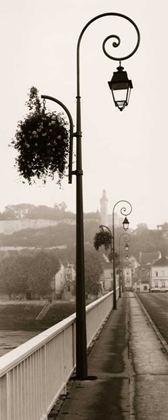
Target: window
{"points": [[156, 283], [145, 288], [156, 273], [163, 283], [162, 273]]}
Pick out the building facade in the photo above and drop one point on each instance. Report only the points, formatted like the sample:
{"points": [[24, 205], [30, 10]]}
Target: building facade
{"points": [[141, 286], [127, 275], [63, 286], [106, 278], [159, 275]]}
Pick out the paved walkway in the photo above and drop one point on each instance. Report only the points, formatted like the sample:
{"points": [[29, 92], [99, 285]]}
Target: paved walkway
{"points": [[127, 358]]}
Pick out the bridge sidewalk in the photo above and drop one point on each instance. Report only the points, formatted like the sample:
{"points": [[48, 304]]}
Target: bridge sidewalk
{"points": [[131, 366], [109, 395]]}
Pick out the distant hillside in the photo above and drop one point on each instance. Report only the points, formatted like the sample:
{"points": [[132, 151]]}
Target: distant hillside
{"points": [[7, 227], [28, 216], [61, 235], [45, 237]]}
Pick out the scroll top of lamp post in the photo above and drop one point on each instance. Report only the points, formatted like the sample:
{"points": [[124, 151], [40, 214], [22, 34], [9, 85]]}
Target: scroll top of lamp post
{"points": [[120, 87]]}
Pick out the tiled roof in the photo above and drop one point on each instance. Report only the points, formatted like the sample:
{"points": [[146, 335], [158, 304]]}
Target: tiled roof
{"points": [[162, 262], [148, 257], [107, 265]]}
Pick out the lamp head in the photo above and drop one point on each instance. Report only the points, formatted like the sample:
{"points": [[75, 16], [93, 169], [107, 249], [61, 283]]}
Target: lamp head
{"points": [[120, 87], [125, 224]]}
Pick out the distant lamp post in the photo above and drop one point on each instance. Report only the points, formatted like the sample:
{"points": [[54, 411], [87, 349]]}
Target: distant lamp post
{"points": [[101, 227], [126, 247], [126, 238], [120, 87], [124, 212]]}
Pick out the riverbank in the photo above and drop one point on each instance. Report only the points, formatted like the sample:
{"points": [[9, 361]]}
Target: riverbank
{"points": [[21, 315]]}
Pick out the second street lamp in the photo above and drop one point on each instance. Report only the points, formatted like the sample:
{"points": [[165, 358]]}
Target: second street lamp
{"points": [[124, 212], [126, 238]]}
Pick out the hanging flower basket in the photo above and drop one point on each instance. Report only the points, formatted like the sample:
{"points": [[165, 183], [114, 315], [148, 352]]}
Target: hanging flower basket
{"points": [[102, 238], [42, 142]]}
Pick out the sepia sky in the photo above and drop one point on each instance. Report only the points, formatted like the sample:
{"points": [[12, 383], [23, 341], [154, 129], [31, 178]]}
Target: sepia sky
{"points": [[125, 153]]}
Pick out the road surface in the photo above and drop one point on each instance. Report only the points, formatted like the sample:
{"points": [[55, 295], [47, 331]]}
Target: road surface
{"points": [[156, 304]]}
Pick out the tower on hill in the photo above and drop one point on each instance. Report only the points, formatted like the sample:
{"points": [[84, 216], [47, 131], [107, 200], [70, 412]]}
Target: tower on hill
{"points": [[106, 219], [103, 209]]}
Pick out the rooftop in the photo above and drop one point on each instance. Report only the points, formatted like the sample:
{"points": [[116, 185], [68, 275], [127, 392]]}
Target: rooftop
{"points": [[162, 262]]}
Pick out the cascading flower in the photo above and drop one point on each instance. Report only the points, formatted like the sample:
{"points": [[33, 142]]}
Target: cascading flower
{"points": [[42, 142]]}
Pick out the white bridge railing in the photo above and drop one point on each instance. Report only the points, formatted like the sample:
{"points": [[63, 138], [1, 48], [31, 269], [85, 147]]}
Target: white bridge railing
{"points": [[33, 375]]}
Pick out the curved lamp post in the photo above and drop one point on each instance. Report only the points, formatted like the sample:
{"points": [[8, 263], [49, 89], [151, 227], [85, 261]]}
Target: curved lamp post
{"points": [[125, 223], [111, 247], [126, 238], [125, 213], [118, 84]]}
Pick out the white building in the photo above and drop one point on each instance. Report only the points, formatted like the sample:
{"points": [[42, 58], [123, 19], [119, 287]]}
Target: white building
{"points": [[127, 274], [159, 275], [64, 282], [141, 286], [106, 278]]}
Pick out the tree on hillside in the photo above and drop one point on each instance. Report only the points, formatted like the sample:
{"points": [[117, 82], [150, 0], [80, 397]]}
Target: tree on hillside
{"points": [[62, 234], [14, 274], [30, 211], [90, 228], [93, 271], [67, 255], [141, 227], [24, 272], [60, 207], [8, 214], [148, 241], [44, 266], [93, 266]]}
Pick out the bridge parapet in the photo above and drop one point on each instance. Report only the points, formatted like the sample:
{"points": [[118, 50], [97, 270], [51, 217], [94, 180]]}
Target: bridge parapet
{"points": [[33, 375]]}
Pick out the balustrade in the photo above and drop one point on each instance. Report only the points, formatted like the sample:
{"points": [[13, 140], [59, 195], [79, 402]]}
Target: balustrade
{"points": [[33, 375]]}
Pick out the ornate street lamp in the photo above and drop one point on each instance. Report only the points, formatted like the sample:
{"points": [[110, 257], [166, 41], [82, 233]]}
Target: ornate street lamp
{"points": [[126, 247], [101, 227], [81, 342], [126, 238], [124, 212]]}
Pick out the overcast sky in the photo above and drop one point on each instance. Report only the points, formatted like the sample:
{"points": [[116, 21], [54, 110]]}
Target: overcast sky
{"points": [[125, 153]]}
